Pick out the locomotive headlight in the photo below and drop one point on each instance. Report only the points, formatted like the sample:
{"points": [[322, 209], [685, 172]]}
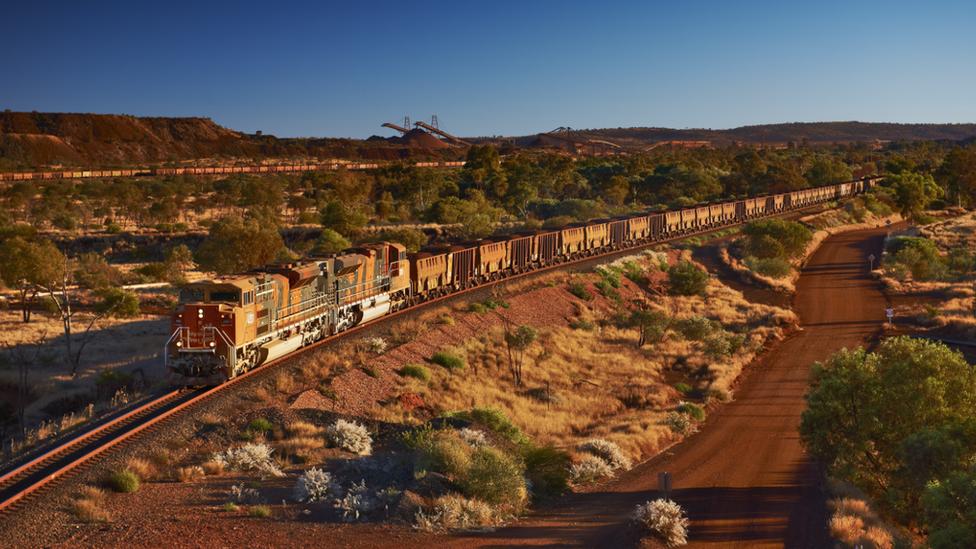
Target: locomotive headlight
{"points": [[213, 344], [179, 343], [200, 313]]}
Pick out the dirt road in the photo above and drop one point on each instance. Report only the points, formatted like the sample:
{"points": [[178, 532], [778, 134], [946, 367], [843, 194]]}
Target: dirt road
{"points": [[744, 479]]}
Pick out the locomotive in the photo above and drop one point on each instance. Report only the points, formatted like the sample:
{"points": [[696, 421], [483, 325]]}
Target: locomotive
{"points": [[222, 328]]}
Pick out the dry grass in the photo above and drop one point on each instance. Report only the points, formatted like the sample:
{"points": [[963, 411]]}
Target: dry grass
{"points": [[130, 346], [957, 310], [143, 468], [87, 506], [189, 474], [581, 384], [854, 520]]}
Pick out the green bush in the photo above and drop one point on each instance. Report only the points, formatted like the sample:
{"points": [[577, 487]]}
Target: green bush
{"points": [[773, 267], [579, 290], [696, 328], [582, 325], [692, 410], [492, 418], [633, 271], [308, 218], [770, 238], [548, 469], [260, 511], [181, 227], [686, 278], [494, 477], [124, 481], [415, 371], [260, 424], [449, 361], [682, 387], [113, 228], [446, 320], [164, 227], [156, 271], [476, 308]]}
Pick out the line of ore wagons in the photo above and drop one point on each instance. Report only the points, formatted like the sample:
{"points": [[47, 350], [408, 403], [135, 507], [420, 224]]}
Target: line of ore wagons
{"points": [[437, 270]]}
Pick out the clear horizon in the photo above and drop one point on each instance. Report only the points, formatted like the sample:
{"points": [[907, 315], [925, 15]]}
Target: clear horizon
{"points": [[338, 70]]}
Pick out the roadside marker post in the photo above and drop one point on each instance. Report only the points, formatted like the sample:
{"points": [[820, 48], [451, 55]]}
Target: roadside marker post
{"points": [[890, 313], [871, 259], [664, 483]]}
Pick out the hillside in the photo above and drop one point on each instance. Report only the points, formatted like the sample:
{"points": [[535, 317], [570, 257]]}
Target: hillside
{"points": [[29, 140]]}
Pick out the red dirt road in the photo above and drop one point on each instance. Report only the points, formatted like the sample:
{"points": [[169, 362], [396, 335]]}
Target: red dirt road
{"points": [[744, 479]]}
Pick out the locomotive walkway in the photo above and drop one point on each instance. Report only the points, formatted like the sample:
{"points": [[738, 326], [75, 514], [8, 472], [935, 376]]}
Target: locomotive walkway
{"points": [[745, 479]]}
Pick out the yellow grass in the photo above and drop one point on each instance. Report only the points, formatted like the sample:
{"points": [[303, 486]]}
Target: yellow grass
{"points": [[143, 468], [576, 382], [854, 520], [87, 505]]}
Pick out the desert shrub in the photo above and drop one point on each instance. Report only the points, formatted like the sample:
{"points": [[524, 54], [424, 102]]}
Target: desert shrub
{"points": [[686, 278], [164, 227], [156, 271], [455, 512], [249, 457], [260, 511], [547, 467], [678, 423], [607, 451], [610, 274], [473, 437], [476, 308], [418, 437], [696, 328], [446, 320], [87, 506], [124, 481], [633, 271], [773, 267], [447, 360], [358, 503], [772, 238], [245, 496], [113, 228], [492, 418], [316, 485], [665, 520], [589, 470], [349, 436], [143, 468], [416, 371], [494, 477], [444, 452], [692, 410], [260, 424], [187, 474], [230, 507], [716, 346], [578, 289], [581, 324], [375, 344], [682, 387], [307, 218]]}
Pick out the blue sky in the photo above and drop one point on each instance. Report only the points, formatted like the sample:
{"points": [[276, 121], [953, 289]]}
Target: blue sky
{"points": [[341, 69]]}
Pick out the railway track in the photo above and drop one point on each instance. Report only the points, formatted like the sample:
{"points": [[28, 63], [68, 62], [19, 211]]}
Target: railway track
{"points": [[67, 459]]}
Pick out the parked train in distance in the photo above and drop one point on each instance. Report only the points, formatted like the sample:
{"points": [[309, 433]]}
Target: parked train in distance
{"points": [[217, 170]]}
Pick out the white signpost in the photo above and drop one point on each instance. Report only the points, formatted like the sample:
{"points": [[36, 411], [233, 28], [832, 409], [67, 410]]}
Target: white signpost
{"points": [[891, 313], [871, 259]]}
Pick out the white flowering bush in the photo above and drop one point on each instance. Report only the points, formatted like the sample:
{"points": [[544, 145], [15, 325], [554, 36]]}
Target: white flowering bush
{"points": [[349, 436], [665, 520], [607, 451], [474, 438], [589, 469], [375, 344], [245, 496], [456, 513], [316, 485], [359, 502], [249, 457], [679, 423]]}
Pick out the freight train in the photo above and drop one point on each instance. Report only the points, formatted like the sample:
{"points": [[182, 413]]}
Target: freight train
{"points": [[222, 328], [216, 170]]}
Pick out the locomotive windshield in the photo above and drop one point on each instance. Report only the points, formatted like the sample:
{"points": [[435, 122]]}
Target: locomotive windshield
{"points": [[189, 296], [234, 297]]}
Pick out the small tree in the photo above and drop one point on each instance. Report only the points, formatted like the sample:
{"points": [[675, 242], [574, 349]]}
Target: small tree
{"points": [[518, 340], [22, 358], [116, 302], [27, 267], [686, 278]]}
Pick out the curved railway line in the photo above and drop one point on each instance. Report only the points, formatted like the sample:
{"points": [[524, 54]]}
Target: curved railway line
{"points": [[70, 457]]}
